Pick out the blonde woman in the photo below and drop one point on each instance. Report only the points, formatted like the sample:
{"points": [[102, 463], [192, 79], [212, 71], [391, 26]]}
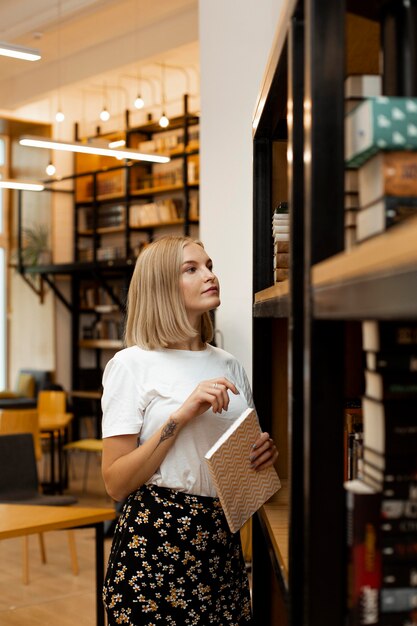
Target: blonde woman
{"points": [[167, 398]]}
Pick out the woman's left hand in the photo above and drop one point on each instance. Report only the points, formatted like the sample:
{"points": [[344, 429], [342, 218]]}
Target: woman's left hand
{"points": [[264, 452]]}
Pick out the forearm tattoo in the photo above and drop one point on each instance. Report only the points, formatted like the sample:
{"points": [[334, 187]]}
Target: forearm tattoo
{"points": [[168, 431]]}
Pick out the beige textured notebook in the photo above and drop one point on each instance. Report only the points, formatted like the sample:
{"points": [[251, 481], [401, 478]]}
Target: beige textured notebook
{"points": [[242, 490]]}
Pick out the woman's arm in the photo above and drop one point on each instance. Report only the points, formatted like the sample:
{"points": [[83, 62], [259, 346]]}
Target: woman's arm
{"points": [[126, 467]]}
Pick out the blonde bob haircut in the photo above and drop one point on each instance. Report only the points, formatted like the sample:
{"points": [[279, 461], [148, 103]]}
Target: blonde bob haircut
{"points": [[156, 315]]}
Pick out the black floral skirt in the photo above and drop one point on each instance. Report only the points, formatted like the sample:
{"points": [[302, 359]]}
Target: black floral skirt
{"points": [[174, 562]]}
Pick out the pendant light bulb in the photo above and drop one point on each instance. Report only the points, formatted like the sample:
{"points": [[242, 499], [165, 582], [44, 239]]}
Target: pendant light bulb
{"points": [[104, 115], [139, 102], [60, 117], [50, 169], [163, 121]]}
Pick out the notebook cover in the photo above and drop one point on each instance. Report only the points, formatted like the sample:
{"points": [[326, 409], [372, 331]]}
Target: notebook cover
{"points": [[241, 489]]}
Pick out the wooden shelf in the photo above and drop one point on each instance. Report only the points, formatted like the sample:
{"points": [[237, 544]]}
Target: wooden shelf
{"points": [[273, 301], [106, 230], [153, 191], [109, 344], [355, 284], [178, 222], [275, 516]]}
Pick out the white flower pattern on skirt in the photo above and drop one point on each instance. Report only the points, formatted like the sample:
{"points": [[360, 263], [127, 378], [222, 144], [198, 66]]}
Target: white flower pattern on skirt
{"points": [[175, 562]]}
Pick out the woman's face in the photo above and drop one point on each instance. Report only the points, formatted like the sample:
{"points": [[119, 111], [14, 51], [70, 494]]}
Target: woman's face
{"points": [[200, 287]]}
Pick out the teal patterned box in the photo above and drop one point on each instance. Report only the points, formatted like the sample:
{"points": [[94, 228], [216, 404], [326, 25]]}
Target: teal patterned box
{"points": [[381, 123]]}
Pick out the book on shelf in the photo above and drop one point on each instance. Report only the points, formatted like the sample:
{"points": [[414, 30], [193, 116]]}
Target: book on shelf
{"points": [[281, 259], [389, 335], [281, 274], [241, 489], [392, 464], [360, 86], [397, 509], [382, 123], [400, 526], [399, 575], [351, 201], [281, 246], [388, 174], [390, 385], [281, 236], [351, 181], [399, 548], [390, 427], [351, 216], [392, 361], [352, 441], [363, 553], [383, 214], [396, 600], [403, 618], [401, 488]]}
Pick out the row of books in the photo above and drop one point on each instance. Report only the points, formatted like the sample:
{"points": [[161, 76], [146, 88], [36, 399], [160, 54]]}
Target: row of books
{"points": [[381, 157], [155, 212], [382, 500], [103, 329], [159, 179], [103, 253], [106, 216], [107, 185], [170, 142], [281, 236], [93, 296]]}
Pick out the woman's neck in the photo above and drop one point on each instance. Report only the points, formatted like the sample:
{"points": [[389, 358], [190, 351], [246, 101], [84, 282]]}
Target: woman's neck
{"points": [[193, 344]]}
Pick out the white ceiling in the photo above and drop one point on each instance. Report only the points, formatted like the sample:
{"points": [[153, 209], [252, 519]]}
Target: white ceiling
{"points": [[88, 43]]}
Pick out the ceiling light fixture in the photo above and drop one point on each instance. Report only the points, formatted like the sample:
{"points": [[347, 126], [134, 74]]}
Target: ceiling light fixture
{"points": [[119, 143], [163, 120], [50, 169], [91, 148], [139, 102], [104, 115], [59, 116], [23, 185], [19, 52]]}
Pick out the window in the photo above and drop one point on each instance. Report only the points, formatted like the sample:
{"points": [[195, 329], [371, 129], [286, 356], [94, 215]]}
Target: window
{"points": [[3, 261]]}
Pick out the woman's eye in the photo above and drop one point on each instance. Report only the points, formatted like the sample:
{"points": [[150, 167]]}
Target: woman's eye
{"points": [[190, 269]]}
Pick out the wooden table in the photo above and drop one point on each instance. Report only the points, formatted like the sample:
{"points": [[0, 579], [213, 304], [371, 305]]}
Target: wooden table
{"points": [[18, 520]]}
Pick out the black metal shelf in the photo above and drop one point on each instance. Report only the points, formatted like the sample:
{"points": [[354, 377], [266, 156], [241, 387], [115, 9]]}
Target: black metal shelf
{"points": [[82, 268]]}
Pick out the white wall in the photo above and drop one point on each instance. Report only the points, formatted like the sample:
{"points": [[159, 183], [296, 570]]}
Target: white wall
{"points": [[235, 41]]}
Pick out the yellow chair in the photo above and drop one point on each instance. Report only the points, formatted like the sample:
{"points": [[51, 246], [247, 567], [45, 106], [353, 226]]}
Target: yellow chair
{"points": [[88, 446], [26, 421], [54, 421]]}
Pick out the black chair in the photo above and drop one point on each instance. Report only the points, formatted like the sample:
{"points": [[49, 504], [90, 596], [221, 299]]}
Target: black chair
{"points": [[19, 484]]}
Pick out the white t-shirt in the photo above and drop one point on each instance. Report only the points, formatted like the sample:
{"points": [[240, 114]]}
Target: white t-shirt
{"points": [[142, 388]]}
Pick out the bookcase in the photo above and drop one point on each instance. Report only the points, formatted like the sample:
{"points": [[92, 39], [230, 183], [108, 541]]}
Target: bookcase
{"points": [[119, 208], [306, 344]]}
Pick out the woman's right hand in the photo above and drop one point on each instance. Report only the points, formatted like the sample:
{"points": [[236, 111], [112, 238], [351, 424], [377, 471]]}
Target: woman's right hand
{"points": [[212, 393]]}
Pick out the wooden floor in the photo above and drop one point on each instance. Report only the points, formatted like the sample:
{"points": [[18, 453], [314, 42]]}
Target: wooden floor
{"points": [[54, 596]]}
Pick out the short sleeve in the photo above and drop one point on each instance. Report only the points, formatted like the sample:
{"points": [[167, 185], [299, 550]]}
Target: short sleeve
{"points": [[241, 380], [120, 401]]}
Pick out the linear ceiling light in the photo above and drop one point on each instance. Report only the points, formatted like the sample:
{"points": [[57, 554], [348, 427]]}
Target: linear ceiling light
{"points": [[24, 185], [19, 52], [91, 148]]}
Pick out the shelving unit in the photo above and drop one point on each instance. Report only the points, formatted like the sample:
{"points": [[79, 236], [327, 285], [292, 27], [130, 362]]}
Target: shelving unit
{"points": [[302, 327], [111, 226]]}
